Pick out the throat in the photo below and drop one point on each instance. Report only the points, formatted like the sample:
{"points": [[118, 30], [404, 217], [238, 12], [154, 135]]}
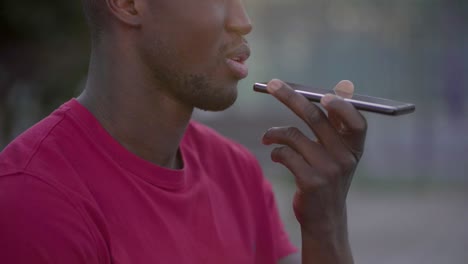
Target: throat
{"points": [[159, 154], [175, 163]]}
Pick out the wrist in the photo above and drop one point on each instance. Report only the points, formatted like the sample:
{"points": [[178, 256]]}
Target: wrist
{"points": [[327, 241], [330, 247]]}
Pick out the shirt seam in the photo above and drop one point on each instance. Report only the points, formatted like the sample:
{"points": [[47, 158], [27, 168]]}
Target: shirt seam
{"points": [[163, 184], [39, 144], [64, 196]]}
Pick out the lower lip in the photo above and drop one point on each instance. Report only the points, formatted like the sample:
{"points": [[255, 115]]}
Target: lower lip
{"points": [[240, 70]]}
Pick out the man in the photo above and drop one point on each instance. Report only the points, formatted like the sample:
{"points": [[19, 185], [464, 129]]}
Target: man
{"points": [[121, 174]]}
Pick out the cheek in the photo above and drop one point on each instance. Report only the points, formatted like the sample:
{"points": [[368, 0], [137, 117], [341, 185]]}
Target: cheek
{"points": [[201, 33], [206, 40], [193, 32]]}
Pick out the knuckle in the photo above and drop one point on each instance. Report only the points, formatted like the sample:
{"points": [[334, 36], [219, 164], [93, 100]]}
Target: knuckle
{"points": [[289, 97], [333, 171], [313, 185], [280, 153], [312, 113], [337, 104], [293, 133], [360, 127], [316, 185], [348, 162]]}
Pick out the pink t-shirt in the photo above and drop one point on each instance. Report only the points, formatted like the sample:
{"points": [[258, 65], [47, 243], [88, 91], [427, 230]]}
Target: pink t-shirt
{"points": [[70, 193]]}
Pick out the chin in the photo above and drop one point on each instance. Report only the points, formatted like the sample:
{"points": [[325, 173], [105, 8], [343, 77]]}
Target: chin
{"points": [[219, 99], [217, 104]]}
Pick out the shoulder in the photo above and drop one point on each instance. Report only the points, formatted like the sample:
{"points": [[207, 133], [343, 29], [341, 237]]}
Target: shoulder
{"points": [[49, 220], [19, 154], [47, 150], [41, 225]]}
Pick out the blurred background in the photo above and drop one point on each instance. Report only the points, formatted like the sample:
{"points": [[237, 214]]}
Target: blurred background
{"points": [[408, 203]]}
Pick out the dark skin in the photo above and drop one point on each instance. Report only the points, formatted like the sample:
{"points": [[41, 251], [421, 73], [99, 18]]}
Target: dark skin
{"points": [[155, 61], [323, 169], [143, 43]]}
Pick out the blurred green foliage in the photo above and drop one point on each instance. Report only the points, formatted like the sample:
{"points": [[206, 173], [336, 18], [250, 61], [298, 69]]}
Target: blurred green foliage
{"points": [[44, 53]]}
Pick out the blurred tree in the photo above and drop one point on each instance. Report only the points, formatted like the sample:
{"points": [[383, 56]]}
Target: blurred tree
{"points": [[44, 45]]}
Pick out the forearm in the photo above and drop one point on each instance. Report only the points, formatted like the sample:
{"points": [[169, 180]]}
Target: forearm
{"points": [[327, 245], [325, 250]]}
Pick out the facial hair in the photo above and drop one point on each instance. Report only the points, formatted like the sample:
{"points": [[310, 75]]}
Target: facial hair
{"points": [[198, 90]]}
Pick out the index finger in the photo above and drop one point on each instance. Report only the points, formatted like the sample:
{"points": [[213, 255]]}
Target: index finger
{"points": [[311, 114]]}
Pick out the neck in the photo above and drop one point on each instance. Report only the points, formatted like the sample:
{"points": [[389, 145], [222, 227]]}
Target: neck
{"points": [[132, 107]]}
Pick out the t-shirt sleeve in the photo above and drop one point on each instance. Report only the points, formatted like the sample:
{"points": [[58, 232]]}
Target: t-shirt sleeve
{"points": [[282, 244], [39, 225]]}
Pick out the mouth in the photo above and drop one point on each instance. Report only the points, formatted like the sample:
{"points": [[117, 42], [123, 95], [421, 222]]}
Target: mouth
{"points": [[236, 61]]}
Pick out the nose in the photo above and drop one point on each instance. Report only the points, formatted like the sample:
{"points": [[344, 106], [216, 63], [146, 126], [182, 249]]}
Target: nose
{"points": [[237, 20]]}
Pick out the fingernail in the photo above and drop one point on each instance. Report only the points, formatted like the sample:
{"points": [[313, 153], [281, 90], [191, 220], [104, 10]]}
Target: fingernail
{"points": [[265, 137], [326, 99], [344, 89], [273, 85]]}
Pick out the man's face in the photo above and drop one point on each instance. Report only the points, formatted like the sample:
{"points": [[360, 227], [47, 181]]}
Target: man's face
{"points": [[196, 49]]}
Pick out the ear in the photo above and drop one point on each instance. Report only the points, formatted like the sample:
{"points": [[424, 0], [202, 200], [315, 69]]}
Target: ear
{"points": [[125, 10]]}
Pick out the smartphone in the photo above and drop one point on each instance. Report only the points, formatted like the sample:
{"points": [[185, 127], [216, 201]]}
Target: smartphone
{"points": [[361, 102]]}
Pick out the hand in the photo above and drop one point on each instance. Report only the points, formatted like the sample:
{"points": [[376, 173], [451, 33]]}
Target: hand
{"points": [[324, 168]]}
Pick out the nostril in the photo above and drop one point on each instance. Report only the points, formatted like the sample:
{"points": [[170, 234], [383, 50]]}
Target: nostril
{"points": [[238, 21], [248, 29], [240, 28]]}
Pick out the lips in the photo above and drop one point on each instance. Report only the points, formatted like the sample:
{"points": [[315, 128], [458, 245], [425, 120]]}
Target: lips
{"points": [[236, 61]]}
